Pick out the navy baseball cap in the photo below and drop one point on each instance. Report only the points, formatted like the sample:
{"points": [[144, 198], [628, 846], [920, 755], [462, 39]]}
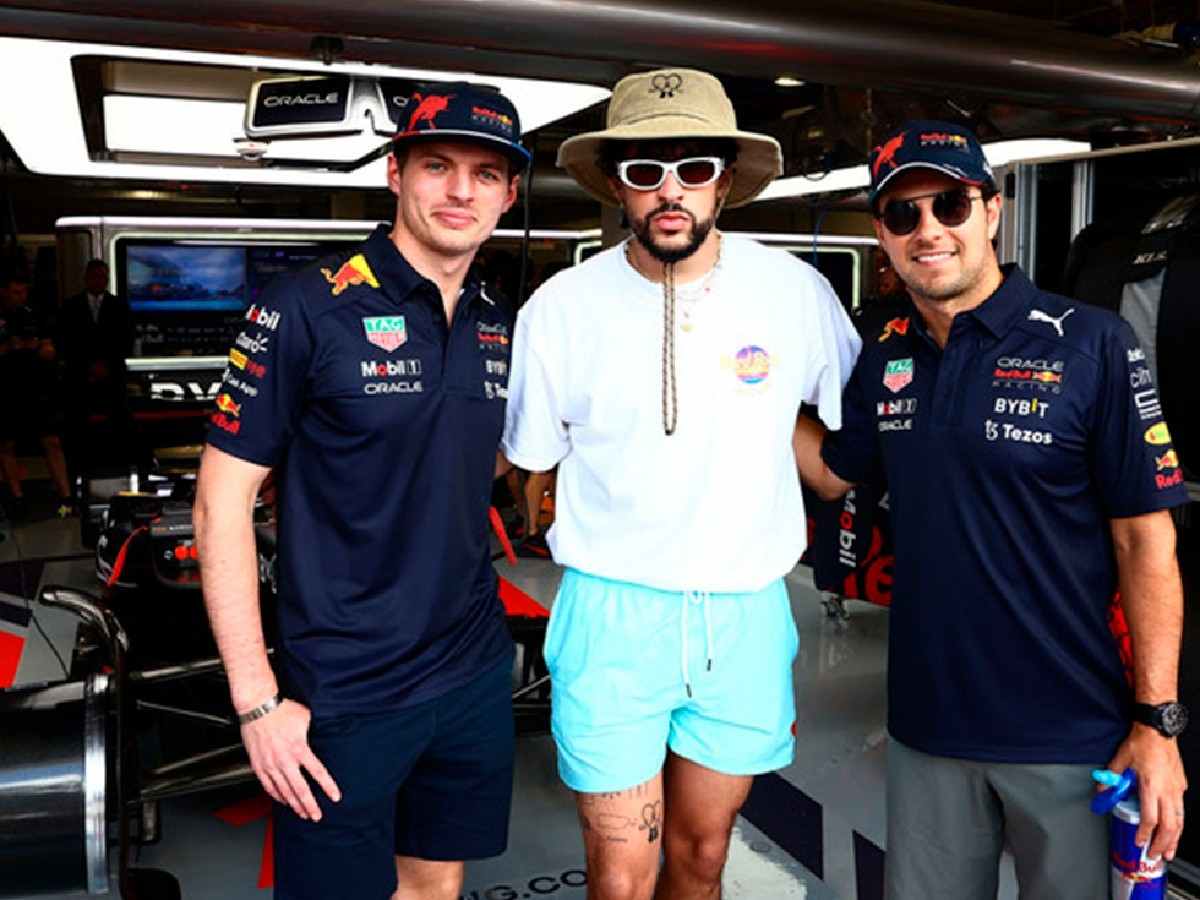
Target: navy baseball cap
{"points": [[925, 144], [459, 111]]}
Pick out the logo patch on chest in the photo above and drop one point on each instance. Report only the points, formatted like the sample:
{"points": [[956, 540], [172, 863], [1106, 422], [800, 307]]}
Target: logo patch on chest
{"points": [[388, 333], [752, 364], [898, 374]]}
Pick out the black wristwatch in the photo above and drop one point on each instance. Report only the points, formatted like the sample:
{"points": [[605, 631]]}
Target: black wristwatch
{"points": [[1168, 719]]}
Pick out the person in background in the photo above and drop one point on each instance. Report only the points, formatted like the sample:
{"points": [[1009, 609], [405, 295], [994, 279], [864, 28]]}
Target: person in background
{"points": [[28, 369], [95, 337]]}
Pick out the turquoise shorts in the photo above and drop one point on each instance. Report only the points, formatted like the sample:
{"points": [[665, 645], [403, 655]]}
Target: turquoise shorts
{"points": [[636, 670]]}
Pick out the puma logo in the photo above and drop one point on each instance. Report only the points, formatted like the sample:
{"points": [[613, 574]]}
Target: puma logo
{"points": [[1036, 315]]}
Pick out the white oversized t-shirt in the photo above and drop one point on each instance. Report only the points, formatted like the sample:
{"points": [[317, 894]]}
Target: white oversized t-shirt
{"points": [[717, 505]]}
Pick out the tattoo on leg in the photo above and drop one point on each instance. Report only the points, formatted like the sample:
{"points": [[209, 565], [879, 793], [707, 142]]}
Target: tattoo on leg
{"points": [[651, 820]]}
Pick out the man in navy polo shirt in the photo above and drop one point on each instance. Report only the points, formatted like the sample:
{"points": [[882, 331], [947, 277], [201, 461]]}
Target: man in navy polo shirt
{"points": [[373, 383], [1030, 474]]}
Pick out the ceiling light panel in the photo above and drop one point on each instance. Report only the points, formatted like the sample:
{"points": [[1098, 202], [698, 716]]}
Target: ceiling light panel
{"points": [[43, 123]]}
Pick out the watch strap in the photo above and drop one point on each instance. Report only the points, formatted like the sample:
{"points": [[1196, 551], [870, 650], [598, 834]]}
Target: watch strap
{"points": [[252, 715]]}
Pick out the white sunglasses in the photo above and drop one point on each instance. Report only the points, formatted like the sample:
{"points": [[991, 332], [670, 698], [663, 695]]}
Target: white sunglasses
{"points": [[649, 174]]}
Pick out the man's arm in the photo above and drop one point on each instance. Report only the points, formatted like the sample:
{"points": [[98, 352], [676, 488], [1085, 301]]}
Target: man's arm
{"points": [[806, 444], [1152, 595], [278, 742], [503, 466]]}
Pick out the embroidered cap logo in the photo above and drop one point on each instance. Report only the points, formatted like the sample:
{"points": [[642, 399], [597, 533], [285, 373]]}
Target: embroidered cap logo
{"points": [[666, 85]]}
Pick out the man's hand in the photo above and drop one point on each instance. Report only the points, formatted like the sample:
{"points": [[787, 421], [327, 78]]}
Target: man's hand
{"points": [[1161, 784], [278, 748]]}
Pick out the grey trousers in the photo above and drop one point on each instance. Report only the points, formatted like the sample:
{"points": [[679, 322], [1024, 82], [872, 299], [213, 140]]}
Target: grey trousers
{"points": [[949, 819]]}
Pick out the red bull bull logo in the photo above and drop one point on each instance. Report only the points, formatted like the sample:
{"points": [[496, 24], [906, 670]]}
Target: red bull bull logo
{"points": [[1169, 460], [896, 326], [1047, 377], [427, 110], [887, 154], [353, 272], [226, 405]]}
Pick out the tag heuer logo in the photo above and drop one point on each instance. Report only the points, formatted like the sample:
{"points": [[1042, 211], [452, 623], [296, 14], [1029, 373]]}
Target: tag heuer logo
{"points": [[898, 375], [386, 332]]}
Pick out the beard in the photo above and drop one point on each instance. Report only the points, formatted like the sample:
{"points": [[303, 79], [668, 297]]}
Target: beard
{"points": [[668, 255]]}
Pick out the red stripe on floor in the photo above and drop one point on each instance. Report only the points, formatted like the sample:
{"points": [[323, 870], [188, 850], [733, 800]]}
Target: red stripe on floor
{"points": [[266, 869], [11, 647], [245, 811], [518, 603]]}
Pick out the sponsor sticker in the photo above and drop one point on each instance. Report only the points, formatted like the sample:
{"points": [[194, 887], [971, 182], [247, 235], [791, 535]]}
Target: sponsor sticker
{"points": [[1041, 374], [895, 425], [492, 336], [1169, 460], [1158, 434], [1010, 406], [255, 344], [1162, 482], [371, 368], [901, 407], [222, 421], [895, 326], [898, 374], [388, 333], [353, 272], [1148, 404], [995, 431], [262, 317], [226, 404], [1135, 355], [393, 387], [1056, 322], [1140, 378]]}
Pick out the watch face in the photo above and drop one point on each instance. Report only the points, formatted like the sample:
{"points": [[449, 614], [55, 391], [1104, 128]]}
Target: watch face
{"points": [[1174, 717]]}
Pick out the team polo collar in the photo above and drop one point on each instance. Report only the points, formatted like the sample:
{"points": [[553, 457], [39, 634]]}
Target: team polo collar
{"points": [[999, 313], [398, 276]]}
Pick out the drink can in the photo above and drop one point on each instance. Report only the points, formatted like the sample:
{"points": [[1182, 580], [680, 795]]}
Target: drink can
{"points": [[1134, 875]]}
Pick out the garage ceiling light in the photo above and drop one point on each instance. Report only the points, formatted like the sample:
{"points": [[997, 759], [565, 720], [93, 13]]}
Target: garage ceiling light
{"points": [[43, 122], [999, 153]]}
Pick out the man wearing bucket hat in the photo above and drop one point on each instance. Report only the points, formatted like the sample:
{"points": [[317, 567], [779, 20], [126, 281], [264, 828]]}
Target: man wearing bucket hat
{"points": [[663, 377], [374, 382], [1030, 475]]}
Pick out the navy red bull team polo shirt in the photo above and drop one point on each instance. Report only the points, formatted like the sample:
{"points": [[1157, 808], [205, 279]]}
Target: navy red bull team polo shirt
{"points": [[382, 421], [1007, 453]]}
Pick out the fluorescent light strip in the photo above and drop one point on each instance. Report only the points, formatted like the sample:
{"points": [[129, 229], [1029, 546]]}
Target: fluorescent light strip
{"points": [[42, 121], [999, 153], [208, 128]]}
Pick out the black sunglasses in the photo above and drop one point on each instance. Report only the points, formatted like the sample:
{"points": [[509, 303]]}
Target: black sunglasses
{"points": [[951, 208]]}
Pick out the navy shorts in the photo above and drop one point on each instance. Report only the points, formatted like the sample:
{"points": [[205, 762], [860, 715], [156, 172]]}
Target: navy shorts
{"points": [[432, 781]]}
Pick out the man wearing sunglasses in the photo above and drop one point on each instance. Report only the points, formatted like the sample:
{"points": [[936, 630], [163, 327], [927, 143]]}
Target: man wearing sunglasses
{"points": [[1030, 476], [664, 377]]}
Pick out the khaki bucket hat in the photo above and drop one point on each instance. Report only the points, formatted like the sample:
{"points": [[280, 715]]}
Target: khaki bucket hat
{"points": [[673, 103]]}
